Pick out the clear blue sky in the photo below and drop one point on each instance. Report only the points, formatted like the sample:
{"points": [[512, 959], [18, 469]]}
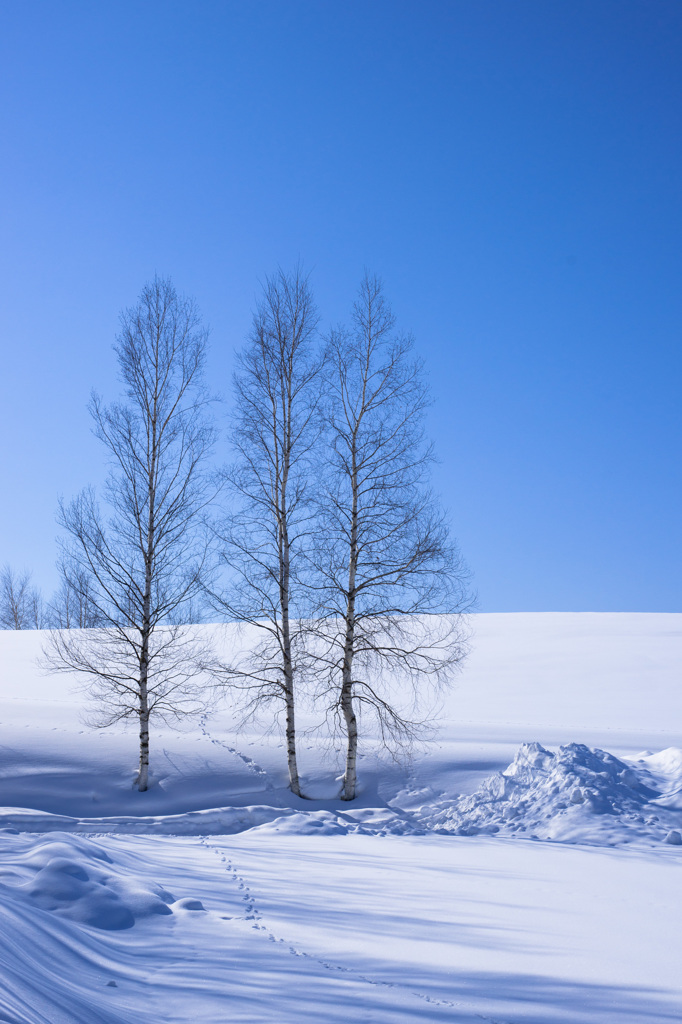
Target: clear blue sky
{"points": [[512, 170]]}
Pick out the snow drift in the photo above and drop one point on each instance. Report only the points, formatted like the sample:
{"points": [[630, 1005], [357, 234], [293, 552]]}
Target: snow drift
{"points": [[73, 878], [576, 795]]}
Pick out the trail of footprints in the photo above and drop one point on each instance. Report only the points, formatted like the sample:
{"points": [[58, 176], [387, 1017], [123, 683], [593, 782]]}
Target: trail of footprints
{"points": [[251, 913], [248, 761]]}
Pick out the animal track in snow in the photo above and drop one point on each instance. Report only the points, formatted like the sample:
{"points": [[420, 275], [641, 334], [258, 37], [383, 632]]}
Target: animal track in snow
{"points": [[253, 914], [256, 768]]}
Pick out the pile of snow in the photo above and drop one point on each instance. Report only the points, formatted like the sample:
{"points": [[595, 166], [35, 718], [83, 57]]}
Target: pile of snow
{"points": [[576, 795], [73, 878], [366, 821]]}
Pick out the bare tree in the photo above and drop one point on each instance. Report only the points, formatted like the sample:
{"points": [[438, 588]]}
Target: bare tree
{"points": [[392, 585], [21, 605], [274, 431], [74, 606], [138, 568]]}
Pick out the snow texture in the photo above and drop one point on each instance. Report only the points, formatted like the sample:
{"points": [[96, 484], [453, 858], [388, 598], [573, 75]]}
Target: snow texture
{"points": [[73, 878], [489, 879]]}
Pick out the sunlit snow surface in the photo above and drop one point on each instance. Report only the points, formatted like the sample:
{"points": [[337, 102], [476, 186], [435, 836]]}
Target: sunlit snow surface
{"points": [[524, 868]]}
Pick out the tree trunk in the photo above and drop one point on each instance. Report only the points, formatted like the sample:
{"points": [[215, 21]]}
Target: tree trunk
{"points": [[294, 781], [350, 774], [284, 588], [146, 631], [143, 773], [143, 714]]}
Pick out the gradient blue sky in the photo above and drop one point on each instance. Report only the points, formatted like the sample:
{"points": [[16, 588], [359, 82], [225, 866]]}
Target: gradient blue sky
{"points": [[511, 169]]}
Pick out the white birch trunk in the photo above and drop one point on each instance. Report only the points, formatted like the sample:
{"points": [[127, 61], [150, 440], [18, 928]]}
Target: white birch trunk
{"points": [[346, 698], [143, 773], [146, 631], [288, 668]]}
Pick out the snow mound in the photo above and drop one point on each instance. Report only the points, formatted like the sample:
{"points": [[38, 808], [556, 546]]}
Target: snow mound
{"points": [[576, 795], [664, 771], [368, 821], [318, 823], [71, 877]]}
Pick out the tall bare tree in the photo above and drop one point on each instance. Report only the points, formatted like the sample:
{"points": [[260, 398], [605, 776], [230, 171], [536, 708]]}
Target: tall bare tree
{"points": [[274, 431], [141, 565], [21, 605], [392, 583]]}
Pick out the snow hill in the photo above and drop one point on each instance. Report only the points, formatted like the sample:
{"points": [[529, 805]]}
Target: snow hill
{"points": [[524, 866]]}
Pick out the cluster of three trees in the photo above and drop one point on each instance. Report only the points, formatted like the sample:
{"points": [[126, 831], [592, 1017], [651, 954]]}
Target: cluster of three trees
{"points": [[332, 548]]}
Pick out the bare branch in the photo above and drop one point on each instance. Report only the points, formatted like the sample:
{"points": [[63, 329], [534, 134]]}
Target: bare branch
{"points": [[391, 585], [274, 434], [21, 605], [133, 576]]}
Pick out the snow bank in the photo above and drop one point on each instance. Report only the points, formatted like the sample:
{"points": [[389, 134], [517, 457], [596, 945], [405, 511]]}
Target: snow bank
{"points": [[223, 821], [576, 795], [219, 821], [369, 821], [73, 878]]}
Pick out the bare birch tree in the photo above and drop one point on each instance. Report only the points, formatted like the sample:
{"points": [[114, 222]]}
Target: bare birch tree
{"points": [[138, 567], [21, 604], [275, 389], [392, 583], [74, 606]]}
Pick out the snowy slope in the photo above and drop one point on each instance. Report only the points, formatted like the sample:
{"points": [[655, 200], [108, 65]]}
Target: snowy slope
{"points": [[485, 881]]}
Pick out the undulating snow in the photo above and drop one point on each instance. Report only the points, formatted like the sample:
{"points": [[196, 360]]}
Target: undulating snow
{"points": [[524, 867]]}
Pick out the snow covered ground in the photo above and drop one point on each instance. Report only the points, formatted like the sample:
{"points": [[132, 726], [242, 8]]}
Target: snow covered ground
{"points": [[524, 868]]}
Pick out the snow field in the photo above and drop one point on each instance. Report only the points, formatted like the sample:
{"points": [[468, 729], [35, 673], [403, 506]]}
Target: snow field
{"points": [[523, 869], [375, 929]]}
